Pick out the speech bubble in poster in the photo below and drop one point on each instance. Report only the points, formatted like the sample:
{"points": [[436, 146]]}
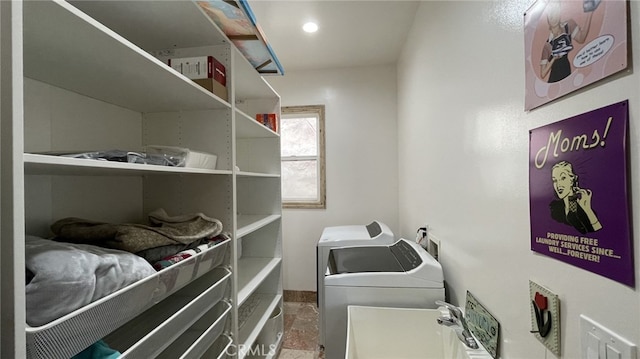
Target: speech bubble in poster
{"points": [[578, 192]]}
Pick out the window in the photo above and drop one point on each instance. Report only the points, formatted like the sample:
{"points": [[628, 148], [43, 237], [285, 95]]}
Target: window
{"points": [[302, 154]]}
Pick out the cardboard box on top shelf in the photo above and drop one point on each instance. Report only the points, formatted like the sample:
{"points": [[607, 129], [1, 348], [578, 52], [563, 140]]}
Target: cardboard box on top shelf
{"points": [[200, 67], [206, 71], [214, 86]]}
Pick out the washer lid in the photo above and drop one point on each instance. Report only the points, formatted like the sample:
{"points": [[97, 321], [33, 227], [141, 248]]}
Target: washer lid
{"points": [[376, 233], [419, 269], [363, 259]]}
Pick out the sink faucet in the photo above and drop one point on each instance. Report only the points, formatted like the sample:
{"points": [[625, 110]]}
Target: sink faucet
{"points": [[458, 324]]}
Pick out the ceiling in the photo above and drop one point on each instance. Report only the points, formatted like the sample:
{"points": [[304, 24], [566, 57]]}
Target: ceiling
{"points": [[351, 32]]}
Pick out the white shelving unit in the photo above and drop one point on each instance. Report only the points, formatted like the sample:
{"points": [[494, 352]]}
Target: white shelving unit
{"points": [[91, 75]]}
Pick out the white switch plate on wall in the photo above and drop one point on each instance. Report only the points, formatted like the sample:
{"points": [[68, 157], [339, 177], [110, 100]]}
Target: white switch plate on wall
{"points": [[598, 342]]}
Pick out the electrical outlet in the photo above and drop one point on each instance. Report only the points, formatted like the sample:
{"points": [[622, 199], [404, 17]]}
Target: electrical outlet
{"points": [[434, 246], [422, 238]]}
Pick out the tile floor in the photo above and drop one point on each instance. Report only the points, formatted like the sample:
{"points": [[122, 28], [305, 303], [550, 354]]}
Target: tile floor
{"points": [[300, 331]]}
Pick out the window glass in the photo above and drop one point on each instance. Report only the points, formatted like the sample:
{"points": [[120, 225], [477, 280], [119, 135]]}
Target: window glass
{"points": [[304, 174], [302, 155], [299, 136]]}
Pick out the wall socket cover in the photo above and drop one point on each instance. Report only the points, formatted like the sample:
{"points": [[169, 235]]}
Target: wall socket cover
{"points": [[552, 339], [433, 246]]}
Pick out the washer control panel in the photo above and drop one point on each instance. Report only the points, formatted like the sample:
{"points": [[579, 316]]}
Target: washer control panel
{"points": [[406, 254]]}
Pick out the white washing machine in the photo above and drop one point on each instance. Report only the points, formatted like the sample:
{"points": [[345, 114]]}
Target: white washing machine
{"points": [[374, 233], [402, 274]]}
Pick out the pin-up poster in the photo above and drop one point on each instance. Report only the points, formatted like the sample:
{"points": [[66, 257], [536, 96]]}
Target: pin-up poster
{"points": [[570, 44], [579, 199]]}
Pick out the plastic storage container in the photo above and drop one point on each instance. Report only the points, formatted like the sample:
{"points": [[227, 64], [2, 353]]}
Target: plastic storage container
{"points": [[271, 330]]}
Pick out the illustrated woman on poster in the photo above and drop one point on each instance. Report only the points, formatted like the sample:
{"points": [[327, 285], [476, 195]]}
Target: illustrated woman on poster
{"points": [[573, 206], [563, 32]]}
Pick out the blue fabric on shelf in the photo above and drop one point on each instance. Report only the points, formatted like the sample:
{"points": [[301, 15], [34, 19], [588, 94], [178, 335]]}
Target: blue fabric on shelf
{"points": [[98, 350]]}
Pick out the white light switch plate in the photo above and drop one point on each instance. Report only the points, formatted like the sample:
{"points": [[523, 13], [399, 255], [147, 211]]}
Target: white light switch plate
{"points": [[598, 342]]}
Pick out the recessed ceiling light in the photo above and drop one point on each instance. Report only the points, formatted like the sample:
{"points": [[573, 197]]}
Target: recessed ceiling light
{"points": [[310, 27]]}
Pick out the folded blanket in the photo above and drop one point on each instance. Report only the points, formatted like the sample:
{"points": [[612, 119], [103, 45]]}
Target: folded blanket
{"points": [[67, 276], [164, 231], [155, 254]]}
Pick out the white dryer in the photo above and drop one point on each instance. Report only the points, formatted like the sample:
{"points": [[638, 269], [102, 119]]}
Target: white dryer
{"points": [[374, 233], [402, 274]]}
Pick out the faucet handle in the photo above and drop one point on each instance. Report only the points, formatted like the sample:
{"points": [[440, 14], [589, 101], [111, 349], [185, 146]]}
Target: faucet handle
{"points": [[463, 332], [455, 311]]}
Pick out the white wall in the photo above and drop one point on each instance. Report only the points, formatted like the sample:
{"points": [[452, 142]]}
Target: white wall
{"points": [[361, 158], [461, 116]]}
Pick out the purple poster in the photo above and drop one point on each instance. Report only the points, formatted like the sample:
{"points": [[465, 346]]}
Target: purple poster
{"points": [[579, 201]]}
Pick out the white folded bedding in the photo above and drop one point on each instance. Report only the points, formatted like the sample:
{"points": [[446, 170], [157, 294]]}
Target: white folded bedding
{"points": [[68, 276]]}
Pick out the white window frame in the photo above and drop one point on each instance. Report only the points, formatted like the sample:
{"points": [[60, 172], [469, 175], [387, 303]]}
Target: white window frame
{"points": [[321, 201]]}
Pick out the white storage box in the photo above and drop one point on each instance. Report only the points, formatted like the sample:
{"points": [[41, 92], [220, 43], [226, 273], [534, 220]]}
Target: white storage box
{"points": [[196, 159], [185, 157]]}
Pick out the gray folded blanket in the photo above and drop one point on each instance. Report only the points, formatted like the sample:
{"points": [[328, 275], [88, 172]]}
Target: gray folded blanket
{"points": [[66, 276], [164, 230]]}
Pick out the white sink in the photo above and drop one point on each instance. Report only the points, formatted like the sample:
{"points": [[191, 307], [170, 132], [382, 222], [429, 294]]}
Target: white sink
{"points": [[403, 333]]}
